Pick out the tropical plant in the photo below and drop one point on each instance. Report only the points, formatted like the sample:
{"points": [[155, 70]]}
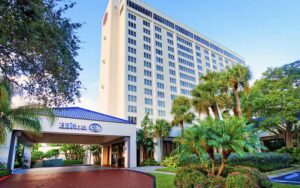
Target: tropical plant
{"points": [[27, 117], [210, 93], [279, 89], [96, 152], [230, 135], [73, 151], [238, 78], [51, 153], [161, 128], [145, 143], [38, 45], [180, 110]]}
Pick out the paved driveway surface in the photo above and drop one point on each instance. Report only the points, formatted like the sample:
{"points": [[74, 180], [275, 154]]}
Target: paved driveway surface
{"points": [[111, 178]]}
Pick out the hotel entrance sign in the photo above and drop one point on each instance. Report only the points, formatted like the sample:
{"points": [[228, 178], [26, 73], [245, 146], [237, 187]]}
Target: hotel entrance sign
{"points": [[73, 126]]}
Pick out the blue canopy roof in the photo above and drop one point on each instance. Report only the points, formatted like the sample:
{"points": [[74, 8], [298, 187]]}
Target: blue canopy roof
{"points": [[81, 113]]}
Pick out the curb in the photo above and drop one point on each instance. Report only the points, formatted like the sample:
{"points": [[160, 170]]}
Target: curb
{"points": [[5, 177]]}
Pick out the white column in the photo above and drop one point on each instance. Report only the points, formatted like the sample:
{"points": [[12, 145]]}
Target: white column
{"points": [[14, 148], [132, 151], [27, 155], [157, 149]]}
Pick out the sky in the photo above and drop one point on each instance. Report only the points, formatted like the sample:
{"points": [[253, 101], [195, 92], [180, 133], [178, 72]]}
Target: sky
{"points": [[265, 32]]}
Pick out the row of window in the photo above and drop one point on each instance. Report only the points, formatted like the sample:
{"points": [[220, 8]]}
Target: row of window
{"points": [[186, 62], [183, 54]]}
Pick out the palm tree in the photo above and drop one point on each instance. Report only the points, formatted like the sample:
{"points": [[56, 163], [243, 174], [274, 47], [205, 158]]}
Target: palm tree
{"points": [[210, 93], [146, 143], [231, 135], [181, 111], [27, 117], [238, 78], [160, 129]]}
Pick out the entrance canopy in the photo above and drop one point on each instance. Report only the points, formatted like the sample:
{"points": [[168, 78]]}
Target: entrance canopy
{"points": [[76, 125]]}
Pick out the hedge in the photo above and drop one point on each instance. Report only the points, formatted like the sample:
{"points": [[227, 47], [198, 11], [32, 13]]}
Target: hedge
{"points": [[72, 162], [4, 173], [263, 161]]}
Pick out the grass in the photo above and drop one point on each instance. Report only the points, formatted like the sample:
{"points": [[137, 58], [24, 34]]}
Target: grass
{"points": [[164, 180], [167, 169], [282, 170], [281, 185]]}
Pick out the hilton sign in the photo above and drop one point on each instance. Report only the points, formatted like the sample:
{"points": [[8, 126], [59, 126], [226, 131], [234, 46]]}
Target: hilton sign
{"points": [[73, 126]]}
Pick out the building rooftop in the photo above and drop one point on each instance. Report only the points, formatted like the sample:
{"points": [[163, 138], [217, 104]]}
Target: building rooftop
{"points": [[85, 114]]}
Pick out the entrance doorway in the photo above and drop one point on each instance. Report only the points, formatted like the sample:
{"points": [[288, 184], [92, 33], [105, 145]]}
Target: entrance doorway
{"points": [[118, 155]]}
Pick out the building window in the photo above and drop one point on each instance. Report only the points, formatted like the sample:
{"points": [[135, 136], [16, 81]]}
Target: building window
{"points": [[147, 73], [132, 33], [173, 97], [147, 56], [170, 49], [161, 113], [170, 34], [131, 78], [147, 64], [159, 68], [147, 47], [158, 29], [173, 80], [159, 60], [160, 85], [207, 64], [149, 111], [158, 44], [158, 36], [131, 88], [160, 76], [161, 94], [132, 119], [158, 52], [172, 72], [131, 98], [148, 82], [171, 64], [131, 41], [132, 109], [131, 68], [170, 42], [171, 56], [131, 59], [161, 103], [131, 17], [173, 88], [147, 39], [131, 24], [145, 23], [148, 101], [146, 31], [148, 91], [131, 50]]}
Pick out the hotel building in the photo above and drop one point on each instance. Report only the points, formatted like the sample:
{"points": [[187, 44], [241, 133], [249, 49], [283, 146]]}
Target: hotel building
{"points": [[148, 58]]}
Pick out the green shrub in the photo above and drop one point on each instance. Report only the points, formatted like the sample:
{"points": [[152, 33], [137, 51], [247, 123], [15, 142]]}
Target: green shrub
{"points": [[216, 182], [37, 155], [189, 178], [150, 162], [4, 173], [262, 161], [51, 153], [3, 166], [239, 180], [294, 152], [171, 161], [258, 177], [72, 162]]}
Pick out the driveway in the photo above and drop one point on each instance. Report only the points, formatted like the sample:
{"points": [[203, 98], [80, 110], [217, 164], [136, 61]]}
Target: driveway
{"points": [[111, 178]]}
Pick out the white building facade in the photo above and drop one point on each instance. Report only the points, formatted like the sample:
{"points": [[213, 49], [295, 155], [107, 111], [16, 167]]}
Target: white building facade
{"points": [[148, 58]]}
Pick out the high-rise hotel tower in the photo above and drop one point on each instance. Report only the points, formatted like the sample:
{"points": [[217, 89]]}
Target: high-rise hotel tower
{"points": [[148, 58]]}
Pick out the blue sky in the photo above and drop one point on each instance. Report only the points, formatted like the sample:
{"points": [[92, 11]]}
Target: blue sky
{"points": [[265, 32]]}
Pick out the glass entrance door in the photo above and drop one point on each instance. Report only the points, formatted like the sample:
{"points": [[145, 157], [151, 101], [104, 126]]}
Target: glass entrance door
{"points": [[118, 155]]}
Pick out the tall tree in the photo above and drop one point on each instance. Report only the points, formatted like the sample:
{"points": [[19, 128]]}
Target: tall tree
{"points": [[161, 128], [277, 100], [238, 78], [180, 110], [27, 117], [37, 49], [210, 93]]}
